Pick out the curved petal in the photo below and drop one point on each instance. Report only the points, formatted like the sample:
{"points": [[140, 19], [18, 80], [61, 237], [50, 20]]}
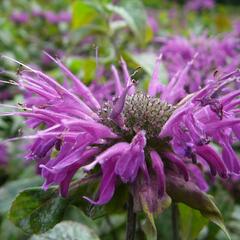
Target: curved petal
{"points": [[158, 168]]}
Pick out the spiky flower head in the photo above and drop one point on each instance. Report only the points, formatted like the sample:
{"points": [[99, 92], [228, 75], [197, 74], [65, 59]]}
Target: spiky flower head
{"points": [[137, 138]]}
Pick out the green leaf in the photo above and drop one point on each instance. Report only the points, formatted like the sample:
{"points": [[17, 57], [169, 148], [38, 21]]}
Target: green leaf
{"points": [[134, 14], [111, 224], [215, 216], [147, 62], [233, 224], [188, 193], [8, 231], [82, 14], [150, 229], [149, 34], [75, 214], [191, 222], [163, 223], [149, 226], [9, 191], [35, 210], [68, 230], [85, 66], [225, 203]]}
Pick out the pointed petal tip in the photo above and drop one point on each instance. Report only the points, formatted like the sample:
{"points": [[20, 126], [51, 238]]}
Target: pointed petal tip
{"points": [[92, 201]]}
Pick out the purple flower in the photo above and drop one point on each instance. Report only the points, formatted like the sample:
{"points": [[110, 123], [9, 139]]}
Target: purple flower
{"points": [[136, 138], [197, 5], [19, 17], [64, 16], [51, 17], [152, 22], [57, 17], [205, 55], [46, 60], [237, 28]]}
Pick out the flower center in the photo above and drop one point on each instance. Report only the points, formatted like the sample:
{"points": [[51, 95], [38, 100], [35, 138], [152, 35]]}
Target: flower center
{"points": [[143, 112], [140, 112]]}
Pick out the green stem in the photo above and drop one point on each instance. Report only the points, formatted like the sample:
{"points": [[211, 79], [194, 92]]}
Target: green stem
{"points": [[175, 222], [131, 220], [113, 233]]}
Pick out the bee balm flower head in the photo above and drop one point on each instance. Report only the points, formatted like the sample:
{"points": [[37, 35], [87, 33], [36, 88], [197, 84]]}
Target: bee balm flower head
{"points": [[137, 138]]}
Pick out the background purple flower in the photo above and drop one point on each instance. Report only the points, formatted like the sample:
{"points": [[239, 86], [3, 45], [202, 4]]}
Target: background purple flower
{"points": [[208, 55], [50, 16], [197, 5], [20, 17]]}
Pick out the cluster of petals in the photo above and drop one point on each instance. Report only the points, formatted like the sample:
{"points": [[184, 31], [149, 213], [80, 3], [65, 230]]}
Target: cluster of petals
{"points": [[206, 56], [21, 17], [200, 131]]}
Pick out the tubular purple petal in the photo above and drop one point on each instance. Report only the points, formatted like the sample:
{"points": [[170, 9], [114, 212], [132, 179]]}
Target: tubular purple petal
{"points": [[83, 90], [97, 130], [112, 152], [212, 158], [118, 85], [127, 78], [153, 85], [179, 164], [197, 176], [132, 159], [107, 186], [158, 168], [118, 106]]}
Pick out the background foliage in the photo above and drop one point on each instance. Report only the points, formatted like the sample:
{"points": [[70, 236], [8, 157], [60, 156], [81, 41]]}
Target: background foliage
{"points": [[111, 29]]}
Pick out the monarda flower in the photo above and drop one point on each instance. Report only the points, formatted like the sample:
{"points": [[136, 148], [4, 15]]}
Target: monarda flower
{"points": [[206, 56], [137, 138], [199, 5], [49, 16], [19, 17], [59, 17]]}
